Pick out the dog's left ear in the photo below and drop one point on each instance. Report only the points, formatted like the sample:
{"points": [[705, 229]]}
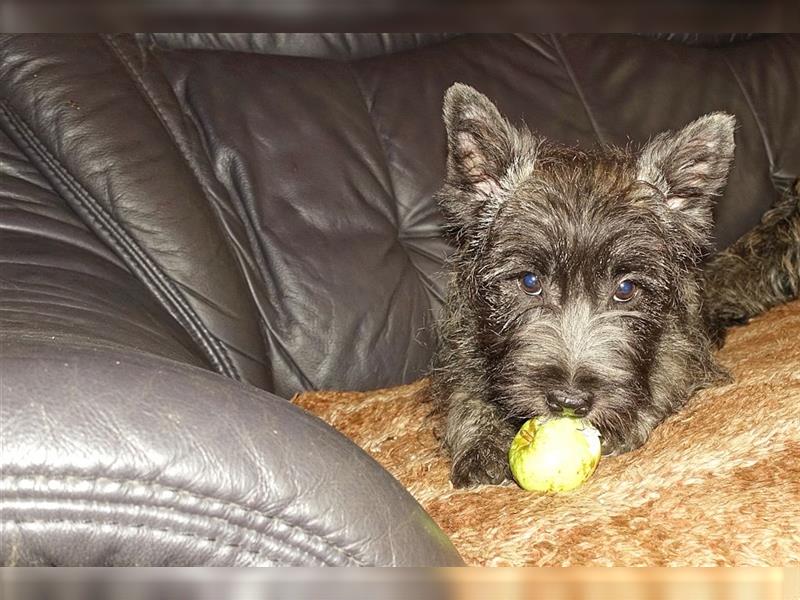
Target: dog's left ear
{"points": [[690, 167], [480, 151], [478, 140]]}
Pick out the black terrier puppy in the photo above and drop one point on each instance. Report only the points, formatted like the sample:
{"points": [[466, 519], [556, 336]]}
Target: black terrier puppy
{"points": [[581, 281]]}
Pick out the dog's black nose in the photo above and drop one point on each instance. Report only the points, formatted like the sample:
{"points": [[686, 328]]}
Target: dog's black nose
{"points": [[569, 402]]}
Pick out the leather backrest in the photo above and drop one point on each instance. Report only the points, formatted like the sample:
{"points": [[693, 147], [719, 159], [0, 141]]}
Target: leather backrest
{"points": [[335, 164], [281, 207], [103, 128], [338, 46], [62, 286]]}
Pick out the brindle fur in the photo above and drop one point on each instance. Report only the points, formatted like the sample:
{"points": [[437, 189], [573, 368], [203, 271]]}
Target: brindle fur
{"points": [[583, 220]]}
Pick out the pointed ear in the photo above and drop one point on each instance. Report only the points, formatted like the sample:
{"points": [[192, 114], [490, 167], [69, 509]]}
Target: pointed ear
{"points": [[690, 167], [479, 151]]}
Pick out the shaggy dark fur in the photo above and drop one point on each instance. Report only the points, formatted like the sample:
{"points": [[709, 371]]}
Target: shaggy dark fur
{"points": [[580, 281], [761, 270]]}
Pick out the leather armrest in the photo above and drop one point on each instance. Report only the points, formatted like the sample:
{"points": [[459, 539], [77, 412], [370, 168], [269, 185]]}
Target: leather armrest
{"points": [[119, 457]]}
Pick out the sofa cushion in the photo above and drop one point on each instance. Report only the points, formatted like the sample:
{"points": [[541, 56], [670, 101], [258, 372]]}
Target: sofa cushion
{"points": [[716, 484], [61, 285], [103, 129], [114, 457]]}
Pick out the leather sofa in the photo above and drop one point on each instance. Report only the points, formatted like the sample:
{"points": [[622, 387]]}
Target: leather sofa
{"points": [[195, 227]]}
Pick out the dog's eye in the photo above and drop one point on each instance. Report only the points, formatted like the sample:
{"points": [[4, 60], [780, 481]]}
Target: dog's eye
{"points": [[530, 284], [625, 291]]}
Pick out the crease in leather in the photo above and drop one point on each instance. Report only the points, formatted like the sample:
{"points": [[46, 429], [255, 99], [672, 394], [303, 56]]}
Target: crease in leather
{"points": [[97, 250], [41, 307], [428, 284], [578, 89], [379, 137], [55, 293], [393, 300], [749, 100], [244, 214], [189, 290], [154, 104], [112, 233], [523, 38], [269, 336], [242, 353], [96, 341], [151, 486], [422, 279], [426, 279], [152, 100]]}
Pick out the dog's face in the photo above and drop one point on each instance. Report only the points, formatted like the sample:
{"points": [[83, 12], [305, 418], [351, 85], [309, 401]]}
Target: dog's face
{"points": [[581, 269]]}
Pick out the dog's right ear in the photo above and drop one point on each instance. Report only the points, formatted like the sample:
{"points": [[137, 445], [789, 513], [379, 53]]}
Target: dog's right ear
{"points": [[690, 168], [480, 150]]}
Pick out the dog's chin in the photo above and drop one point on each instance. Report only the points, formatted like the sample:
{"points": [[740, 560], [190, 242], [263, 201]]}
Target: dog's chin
{"points": [[622, 429]]}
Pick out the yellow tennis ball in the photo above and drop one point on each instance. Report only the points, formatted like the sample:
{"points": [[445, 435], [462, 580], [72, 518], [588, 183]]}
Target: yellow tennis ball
{"points": [[554, 455]]}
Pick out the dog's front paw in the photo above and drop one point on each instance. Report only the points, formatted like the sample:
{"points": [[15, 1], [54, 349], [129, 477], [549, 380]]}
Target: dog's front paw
{"points": [[481, 464], [616, 447]]}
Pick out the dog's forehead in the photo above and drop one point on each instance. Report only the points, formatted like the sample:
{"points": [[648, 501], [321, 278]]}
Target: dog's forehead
{"points": [[597, 172], [585, 210], [570, 189]]}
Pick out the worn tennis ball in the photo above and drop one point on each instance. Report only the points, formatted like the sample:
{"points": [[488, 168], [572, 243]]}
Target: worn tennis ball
{"points": [[555, 454]]}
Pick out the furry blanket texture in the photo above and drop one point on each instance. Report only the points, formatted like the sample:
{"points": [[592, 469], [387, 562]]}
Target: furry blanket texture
{"points": [[716, 484]]}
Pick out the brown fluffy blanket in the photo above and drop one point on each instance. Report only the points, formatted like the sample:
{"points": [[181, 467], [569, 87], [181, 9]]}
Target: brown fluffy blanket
{"points": [[717, 484]]}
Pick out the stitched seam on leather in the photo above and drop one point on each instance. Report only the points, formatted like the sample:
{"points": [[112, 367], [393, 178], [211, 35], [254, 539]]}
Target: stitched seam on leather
{"points": [[124, 245], [141, 527], [154, 103], [135, 258], [96, 344], [299, 549], [151, 98], [157, 487], [578, 89], [158, 109]]}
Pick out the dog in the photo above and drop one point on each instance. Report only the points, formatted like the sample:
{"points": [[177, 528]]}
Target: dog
{"points": [[583, 282]]}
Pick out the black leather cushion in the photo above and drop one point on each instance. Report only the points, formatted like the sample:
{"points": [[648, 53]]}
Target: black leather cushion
{"points": [[634, 88], [105, 132], [117, 457], [61, 285], [349, 270], [335, 165]]}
